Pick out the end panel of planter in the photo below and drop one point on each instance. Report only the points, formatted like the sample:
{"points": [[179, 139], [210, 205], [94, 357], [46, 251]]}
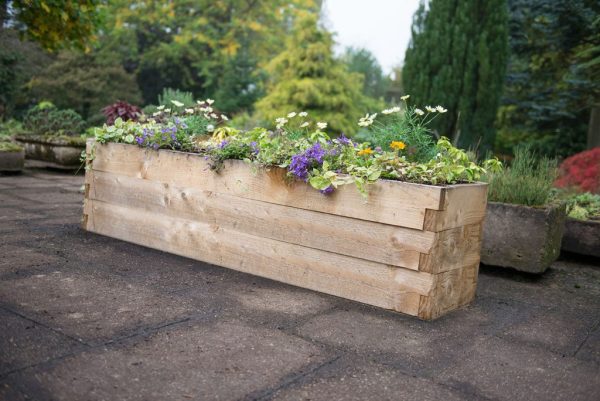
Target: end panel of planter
{"points": [[374, 251]]}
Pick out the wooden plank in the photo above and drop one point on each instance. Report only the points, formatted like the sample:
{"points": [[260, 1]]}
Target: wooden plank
{"points": [[463, 204], [359, 238], [390, 202], [360, 280], [453, 249], [452, 289]]}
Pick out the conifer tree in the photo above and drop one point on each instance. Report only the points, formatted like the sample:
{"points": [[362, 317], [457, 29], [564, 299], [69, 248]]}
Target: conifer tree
{"points": [[457, 58], [306, 77]]}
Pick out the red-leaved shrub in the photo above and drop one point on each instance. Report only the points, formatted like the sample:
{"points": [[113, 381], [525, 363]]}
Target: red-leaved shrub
{"points": [[581, 172], [121, 109]]}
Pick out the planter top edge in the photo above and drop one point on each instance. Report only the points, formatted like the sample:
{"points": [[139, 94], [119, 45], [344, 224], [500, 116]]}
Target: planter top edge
{"points": [[382, 180]]}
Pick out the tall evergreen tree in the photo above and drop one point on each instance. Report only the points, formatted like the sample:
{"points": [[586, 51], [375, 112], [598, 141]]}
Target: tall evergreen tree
{"points": [[307, 77], [457, 58]]}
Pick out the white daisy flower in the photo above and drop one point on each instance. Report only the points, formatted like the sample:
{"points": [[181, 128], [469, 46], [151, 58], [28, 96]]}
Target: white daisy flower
{"points": [[430, 109], [210, 128], [405, 97], [440, 109], [160, 107], [419, 112], [189, 111], [224, 117], [292, 114], [321, 125], [304, 124], [210, 101], [177, 103], [303, 114]]}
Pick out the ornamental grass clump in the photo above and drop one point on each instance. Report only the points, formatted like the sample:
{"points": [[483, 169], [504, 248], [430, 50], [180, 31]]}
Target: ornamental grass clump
{"points": [[406, 151], [528, 181]]}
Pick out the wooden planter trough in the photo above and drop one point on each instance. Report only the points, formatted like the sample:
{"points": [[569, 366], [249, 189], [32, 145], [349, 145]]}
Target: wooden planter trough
{"points": [[410, 248]]}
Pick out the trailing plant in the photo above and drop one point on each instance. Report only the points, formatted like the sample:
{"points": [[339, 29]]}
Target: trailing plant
{"points": [[528, 181], [585, 206], [122, 110], [45, 118]]}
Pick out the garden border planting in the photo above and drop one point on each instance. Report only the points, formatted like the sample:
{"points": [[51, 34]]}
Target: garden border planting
{"points": [[411, 248]]}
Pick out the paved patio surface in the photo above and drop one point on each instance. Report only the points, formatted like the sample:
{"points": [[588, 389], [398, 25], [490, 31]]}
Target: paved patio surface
{"points": [[85, 317]]}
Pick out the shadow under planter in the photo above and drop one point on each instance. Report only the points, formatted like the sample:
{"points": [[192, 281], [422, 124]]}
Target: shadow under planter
{"points": [[582, 237], [521, 237], [12, 161], [53, 151]]}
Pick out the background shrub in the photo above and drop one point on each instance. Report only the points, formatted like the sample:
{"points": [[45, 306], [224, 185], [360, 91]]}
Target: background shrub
{"points": [[581, 172], [45, 119]]}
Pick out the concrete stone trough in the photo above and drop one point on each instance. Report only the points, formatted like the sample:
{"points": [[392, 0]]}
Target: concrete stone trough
{"points": [[11, 161], [520, 237], [582, 237], [54, 152]]}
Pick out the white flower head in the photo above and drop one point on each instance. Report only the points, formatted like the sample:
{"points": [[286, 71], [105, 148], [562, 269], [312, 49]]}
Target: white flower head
{"points": [[155, 114], [387, 111], [200, 101], [177, 103], [419, 112], [213, 115], [321, 125], [281, 121], [224, 117], [430, 109], [167, 110], [210, 128], [209, 101], [304, 124], [160, 107], [396, 109], [303, 114], [189, 111], [292, 114], [405, 97], [440, 109]]}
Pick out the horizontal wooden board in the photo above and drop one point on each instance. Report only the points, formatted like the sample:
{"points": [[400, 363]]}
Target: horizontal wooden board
{"points": [[359, 238], [390, 202], [357, 279]]}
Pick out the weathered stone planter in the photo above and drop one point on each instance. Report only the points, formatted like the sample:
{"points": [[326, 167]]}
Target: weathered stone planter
{"points": [[410, 248], [582, 237], [12, 161], [53, 152], [521, 237]]}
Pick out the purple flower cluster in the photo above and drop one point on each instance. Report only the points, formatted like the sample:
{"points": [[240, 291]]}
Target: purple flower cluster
{"points": [[327, 190], [302, 162], [255, 148]]}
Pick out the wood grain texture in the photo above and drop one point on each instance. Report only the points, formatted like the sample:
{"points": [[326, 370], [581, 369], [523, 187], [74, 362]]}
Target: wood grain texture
{"points": [[390, 202], [463, 204], [357, 279], [453, 249], [410, 248], [378, 242]]}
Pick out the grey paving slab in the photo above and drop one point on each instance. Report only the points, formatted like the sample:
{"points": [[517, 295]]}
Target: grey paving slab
{"points": [[86, 317], [24, 343], [358, 380], [92, 308], [224, 361], [503, 370]]}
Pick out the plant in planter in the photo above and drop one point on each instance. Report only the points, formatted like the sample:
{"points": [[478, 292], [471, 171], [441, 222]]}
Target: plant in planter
{"points": [[524, 224], [582, 226], [53, 136], [122, 110], [385, 227]]}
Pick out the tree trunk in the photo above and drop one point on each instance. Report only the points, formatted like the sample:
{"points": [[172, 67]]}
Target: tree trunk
{"points": [[593, 137]]}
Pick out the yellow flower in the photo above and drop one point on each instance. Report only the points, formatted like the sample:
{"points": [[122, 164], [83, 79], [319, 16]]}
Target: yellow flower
{"points": [[397, 145], [366, 151]]}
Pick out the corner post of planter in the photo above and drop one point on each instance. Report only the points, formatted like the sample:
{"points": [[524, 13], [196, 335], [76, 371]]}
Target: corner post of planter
{"points": [[89, 160]]}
